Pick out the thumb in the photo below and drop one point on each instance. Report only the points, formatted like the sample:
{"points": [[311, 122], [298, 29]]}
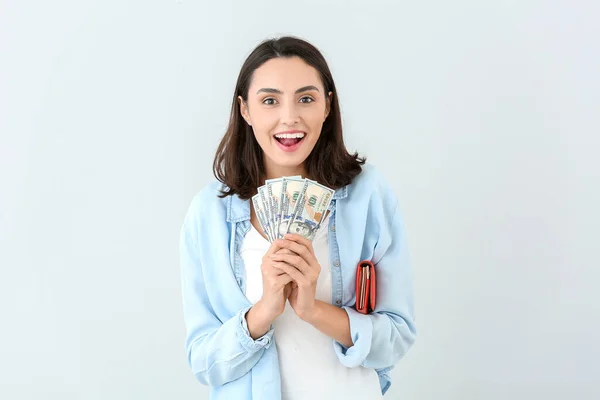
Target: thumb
{"points": [[287, 291]]}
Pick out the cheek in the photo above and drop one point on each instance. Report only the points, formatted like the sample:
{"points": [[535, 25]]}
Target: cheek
{"points": [[315, 118], [315, 125], [263, 123], [262, 130]]}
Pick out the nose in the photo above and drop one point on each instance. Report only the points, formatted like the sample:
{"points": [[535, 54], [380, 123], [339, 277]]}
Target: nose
{"points": [[289, 114]]}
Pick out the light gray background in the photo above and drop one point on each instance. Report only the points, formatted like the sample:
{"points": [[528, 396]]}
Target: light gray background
{"points": [[483, 115]]}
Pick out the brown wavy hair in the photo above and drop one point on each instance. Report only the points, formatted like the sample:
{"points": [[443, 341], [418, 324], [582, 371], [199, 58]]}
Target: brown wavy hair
{"points": [[238, 161]]}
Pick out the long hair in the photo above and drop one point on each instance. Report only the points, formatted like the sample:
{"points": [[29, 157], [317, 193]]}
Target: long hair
{"points": [[238, 161]]}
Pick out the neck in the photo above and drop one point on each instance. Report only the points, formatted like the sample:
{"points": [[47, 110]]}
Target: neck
{"points": [[276, 171]]}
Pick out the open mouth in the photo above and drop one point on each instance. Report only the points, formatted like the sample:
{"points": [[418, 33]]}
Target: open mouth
{"points": [[290, 140]]}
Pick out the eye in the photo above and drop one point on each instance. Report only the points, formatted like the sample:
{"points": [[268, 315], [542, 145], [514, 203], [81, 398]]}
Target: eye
{"points": [[265, 101], [306, 98]]}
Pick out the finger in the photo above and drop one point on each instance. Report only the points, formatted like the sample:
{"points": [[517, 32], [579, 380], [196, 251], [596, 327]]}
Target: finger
{"points": [[275, 246], [284, 251], [269, 270], [293, 272], [299, 239], [299, 249], [283, 279], [293, 260]]}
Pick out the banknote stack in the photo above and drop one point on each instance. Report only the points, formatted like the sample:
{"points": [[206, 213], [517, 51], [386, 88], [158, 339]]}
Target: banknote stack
{"points": [[291, 204]]}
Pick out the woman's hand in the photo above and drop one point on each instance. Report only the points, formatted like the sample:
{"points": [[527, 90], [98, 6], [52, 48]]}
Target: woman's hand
{"points": [[277, 284], [302, 266]]}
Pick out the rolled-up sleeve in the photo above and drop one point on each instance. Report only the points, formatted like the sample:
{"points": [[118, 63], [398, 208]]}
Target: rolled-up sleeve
{"points": [[381, 338], [217, 351]]}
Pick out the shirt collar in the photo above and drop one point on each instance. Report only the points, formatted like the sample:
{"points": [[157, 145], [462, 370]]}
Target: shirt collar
{"points": [[239, 210]]}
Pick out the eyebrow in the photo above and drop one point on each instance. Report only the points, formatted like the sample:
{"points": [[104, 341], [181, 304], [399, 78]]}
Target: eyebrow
{"points": [[277, 91]]}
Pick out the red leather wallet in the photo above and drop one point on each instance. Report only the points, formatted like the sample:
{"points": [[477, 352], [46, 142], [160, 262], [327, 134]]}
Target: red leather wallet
{"points": [[366, 287]]}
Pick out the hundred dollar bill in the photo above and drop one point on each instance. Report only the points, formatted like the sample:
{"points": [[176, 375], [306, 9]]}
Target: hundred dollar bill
{"points": [[273, 199], [311, 206], [290, 190], [260, 214], [274, 191], [263, 196]]}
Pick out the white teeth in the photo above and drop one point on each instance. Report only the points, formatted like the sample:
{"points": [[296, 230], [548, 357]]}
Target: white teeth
{"points": [[298, 135]]}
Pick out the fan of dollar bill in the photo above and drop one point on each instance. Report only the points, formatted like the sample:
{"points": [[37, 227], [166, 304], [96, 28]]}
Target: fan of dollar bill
{"points": [[291, 204]]}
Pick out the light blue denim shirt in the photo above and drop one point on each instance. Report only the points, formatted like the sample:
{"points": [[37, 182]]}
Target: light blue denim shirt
{"points": [[365, 224]]}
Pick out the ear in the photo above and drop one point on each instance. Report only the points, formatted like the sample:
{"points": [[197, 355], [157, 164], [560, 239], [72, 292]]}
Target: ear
{"points": [[328, 104], [244, 110]]}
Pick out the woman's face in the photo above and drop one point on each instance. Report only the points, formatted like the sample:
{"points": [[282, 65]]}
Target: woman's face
{"points": [[286, 108]]}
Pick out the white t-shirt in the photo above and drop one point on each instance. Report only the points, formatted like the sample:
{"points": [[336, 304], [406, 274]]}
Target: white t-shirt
{"points": [[309, 367]]}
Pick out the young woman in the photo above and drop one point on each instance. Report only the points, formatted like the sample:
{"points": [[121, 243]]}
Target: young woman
{"points": [[278, 320]]}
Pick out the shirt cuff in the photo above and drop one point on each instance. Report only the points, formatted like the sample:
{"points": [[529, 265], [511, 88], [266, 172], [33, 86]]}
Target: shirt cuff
{"points": [[384, 379], [244, 337], [361, 332]]}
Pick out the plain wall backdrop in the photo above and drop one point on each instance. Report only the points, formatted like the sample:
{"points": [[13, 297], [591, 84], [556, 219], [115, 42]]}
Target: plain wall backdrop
{"points": [[483, 115]]}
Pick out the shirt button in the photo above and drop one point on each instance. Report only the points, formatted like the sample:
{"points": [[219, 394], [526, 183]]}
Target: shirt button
{"points": [[338, 302], [333, 228], [336, 263]]}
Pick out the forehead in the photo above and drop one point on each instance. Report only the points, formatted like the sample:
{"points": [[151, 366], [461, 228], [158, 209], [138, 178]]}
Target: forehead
{"points": [[285, 74]]}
